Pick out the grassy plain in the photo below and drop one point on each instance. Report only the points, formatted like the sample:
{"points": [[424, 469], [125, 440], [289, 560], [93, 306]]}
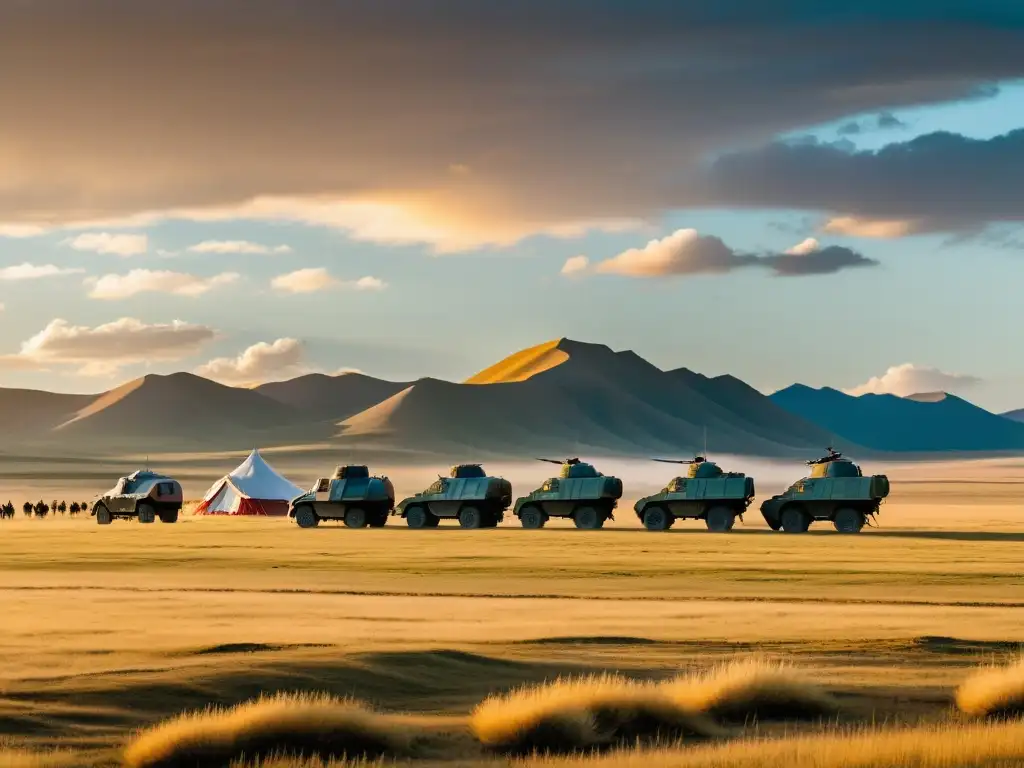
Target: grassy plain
{"points": [[106, 630]]}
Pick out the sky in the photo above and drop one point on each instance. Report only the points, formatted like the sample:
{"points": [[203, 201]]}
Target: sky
{"points": [[822, 192]]}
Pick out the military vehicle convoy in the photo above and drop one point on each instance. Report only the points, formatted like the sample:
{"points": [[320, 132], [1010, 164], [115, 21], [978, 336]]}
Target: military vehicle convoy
{"points": [[706, 493], [352, 496], [579, 492], [144, 495], [836, 490], [468, 494]]}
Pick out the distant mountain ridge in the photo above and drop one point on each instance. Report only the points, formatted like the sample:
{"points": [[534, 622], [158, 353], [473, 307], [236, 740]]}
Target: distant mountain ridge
{"points": [[568, 396], [561, 397], [927, 422]]}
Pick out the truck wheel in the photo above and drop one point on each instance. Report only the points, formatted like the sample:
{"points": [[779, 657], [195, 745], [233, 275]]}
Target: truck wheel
{"points": [[848, 520], [720, 519], [169, 516], [378, 520], [657, 519], [795, 520], [418, 517], [470, 517], [588, 519], [305, 517], [103, 516], [146, 513], [355, 518], [531, 517]]}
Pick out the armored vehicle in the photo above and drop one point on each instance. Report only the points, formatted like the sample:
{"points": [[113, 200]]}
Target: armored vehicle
{"points": [[352, 495], [835, 490], [706, 493], [469, 494], [144, 495], [579, 492]]}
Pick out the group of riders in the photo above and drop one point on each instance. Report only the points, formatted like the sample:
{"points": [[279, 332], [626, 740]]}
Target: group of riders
{"points": [[42, 509]]}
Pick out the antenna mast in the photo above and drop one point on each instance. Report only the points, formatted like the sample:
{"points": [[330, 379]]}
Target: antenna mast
{"points": [[705, 441]]}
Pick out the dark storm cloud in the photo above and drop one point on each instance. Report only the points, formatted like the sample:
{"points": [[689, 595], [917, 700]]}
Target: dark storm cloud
{"points": [[468, 121], [939, 181]]}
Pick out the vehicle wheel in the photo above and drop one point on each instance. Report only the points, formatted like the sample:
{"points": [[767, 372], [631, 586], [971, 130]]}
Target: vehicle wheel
{"points": [[588, 519], [720, 519], [848, 520], [305, 517], [355, 518], [378, 520], [657, 519], [795, 520], [146, 513], [170, 516], [471, 518], [418, 517], [103, 516], [532, 517]]}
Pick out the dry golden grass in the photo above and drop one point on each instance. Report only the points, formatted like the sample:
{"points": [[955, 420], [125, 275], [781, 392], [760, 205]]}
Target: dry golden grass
{"points": [[994, 691], [596, 711], [288, 724], [584, 713], [940, 746], [752, 688], [24, 759]]}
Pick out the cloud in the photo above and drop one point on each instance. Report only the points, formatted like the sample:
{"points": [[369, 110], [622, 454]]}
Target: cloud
{"points": [[315, 279], [369, 283], [575, 265], [104, 242], [259, 363], [851, 226], [105, 348], [575, 114], [686, 252], [18, 231], [886, 121], [935, 182], [911, 379], [155, 281], [28, 271], [237, 246], [810, 245]]}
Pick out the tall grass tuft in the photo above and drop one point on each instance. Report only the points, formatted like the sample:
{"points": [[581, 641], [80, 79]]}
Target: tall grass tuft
{"points": [[752, 688], [584, 713], [284, 724], [994, 691]]}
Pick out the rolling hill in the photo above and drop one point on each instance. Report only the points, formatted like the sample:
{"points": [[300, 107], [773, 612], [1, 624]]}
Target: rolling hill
{"points": [[331, 398], [178, 411], [1017, 415], [927, 422], [566, 396], [27, 413]]}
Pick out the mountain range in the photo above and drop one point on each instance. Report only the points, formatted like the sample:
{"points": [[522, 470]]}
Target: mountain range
{"points": [[562, 397]]}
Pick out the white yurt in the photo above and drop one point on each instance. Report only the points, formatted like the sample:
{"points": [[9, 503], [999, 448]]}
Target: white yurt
{"points": [[253, 488]]}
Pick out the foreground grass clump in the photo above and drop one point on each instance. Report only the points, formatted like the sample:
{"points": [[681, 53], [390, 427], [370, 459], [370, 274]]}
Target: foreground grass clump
{"points": [[584, 713], [289, 724], [995, 691], [752, 688], [952, 745]]}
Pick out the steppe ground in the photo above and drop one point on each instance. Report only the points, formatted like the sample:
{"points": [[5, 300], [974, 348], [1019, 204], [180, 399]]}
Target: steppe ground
{"points": [[104, 630]]}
